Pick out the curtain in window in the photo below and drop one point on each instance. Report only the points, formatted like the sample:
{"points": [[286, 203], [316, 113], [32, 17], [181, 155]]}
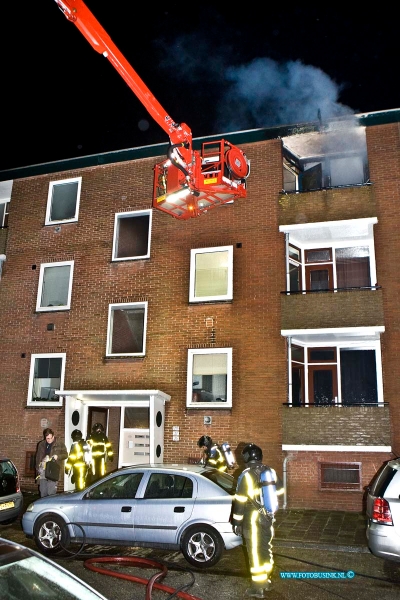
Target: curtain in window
{"points": [[358, 377], [352, 267]]}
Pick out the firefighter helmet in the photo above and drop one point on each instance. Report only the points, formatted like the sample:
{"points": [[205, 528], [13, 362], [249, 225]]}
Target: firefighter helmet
{"points": [[98, 428], [251, 452], [205, 440], [76, 435]]}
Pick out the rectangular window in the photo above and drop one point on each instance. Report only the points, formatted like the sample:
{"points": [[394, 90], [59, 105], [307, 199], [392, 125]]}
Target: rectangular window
{"points": [[63, 201], [4, 207], [127, 329], [358, 380], [46, 376], [132, 235], [211, 274], [336, 375], [352, 267], [340, 476], [55, 286], [209, 382]]}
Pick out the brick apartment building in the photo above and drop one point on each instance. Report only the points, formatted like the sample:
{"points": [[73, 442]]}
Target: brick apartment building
{"points": [[274, 319]]}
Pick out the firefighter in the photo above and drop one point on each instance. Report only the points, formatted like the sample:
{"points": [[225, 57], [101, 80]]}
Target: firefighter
{"points": [[218, 456], [78, 462], [101, 449], [253, 517]]}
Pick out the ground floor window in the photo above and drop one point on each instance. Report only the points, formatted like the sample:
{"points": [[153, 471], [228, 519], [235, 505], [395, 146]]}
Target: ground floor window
{"points": [[46, 377], [340, 476]]}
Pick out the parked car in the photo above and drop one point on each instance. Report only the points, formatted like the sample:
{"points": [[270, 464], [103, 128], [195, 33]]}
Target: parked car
{"points": [[383, 512], [27, 575], [10, 494], [186, 507]]}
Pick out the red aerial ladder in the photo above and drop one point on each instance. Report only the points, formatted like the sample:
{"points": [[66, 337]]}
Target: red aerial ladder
{"points": [[188, 183]]}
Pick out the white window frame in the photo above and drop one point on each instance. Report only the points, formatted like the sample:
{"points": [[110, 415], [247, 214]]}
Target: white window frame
{"points": [[189, 391], [6, 204], [44, 266], [193, 254], [52, 184], [125, 215], [31, 402], [110, 327], [343, 234], [355, 344]]}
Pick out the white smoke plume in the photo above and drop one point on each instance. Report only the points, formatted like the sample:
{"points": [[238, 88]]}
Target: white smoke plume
{"points": [[260, 93], [265, 93]]}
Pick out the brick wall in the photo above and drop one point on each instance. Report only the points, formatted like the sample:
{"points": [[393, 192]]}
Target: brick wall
{"points": [[327, 205], [303, 480], [334, 425], [356, 308], [250, 324]]}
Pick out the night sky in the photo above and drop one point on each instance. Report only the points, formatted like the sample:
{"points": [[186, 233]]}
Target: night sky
{"points": [[218, 71]]}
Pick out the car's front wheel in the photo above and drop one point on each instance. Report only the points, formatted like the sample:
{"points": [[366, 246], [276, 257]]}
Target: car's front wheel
{"points": [[51, 534], [202, 546]]}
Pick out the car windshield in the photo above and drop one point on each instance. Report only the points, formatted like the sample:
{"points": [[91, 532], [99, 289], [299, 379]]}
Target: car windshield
{"points": [[37, 579], [223, 480]]}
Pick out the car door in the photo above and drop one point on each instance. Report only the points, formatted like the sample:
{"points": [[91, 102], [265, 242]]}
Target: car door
{"points": [[166, 504], [108, 509]]}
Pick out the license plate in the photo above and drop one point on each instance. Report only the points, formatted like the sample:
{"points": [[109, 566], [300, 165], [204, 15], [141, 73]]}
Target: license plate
{"points": [[6, 505]]}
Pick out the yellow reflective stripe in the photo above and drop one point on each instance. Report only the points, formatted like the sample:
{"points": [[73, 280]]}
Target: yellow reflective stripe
{"points": [[237, 517], [280, 492], [259, 578], [250, 488], [242, 499]]}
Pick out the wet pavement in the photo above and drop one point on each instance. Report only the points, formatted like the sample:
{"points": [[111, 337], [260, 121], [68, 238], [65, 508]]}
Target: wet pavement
{"points": [[325, 530], [309, 547]]}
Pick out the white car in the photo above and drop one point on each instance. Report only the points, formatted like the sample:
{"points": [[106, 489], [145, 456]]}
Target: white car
{"points": [[383, 512], [186, 507], [26, 575]]}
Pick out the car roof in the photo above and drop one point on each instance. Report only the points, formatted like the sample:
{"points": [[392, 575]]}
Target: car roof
{"points": [[198, 469]]}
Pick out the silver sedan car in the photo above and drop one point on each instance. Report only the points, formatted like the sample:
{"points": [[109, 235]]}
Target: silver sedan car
{"points": [[186, 507]]}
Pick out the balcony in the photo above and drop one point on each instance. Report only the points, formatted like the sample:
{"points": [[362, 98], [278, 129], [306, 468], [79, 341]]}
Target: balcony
{"points": [[356, 307], [331, 204], [356, 425]]}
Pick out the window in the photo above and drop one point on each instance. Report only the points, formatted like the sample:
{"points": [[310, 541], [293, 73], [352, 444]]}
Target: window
{"points": [[164, 485], [46, 376], [4, 207], [132, 235], [294, 268], [336, 375], [352, 267], [63, 201], [340, 476], [211, 274], [55, 286], [121, 487], [209, 378], [127, 329]]}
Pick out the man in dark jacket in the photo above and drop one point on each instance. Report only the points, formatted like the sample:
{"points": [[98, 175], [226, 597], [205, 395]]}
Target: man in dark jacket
{"points": [[50, 448], [254, 507]]}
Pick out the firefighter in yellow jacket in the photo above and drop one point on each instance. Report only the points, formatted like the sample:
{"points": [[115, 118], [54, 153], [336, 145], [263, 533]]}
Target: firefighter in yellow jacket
{"points": [[253, 517], [101, 449], [78, 462]]}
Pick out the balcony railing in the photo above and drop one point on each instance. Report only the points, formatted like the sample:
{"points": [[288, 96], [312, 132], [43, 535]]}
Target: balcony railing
{"points": [[336, 424]]}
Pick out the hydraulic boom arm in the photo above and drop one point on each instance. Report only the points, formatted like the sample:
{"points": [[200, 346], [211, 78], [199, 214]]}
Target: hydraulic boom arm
{"points": [[189, 182]]}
